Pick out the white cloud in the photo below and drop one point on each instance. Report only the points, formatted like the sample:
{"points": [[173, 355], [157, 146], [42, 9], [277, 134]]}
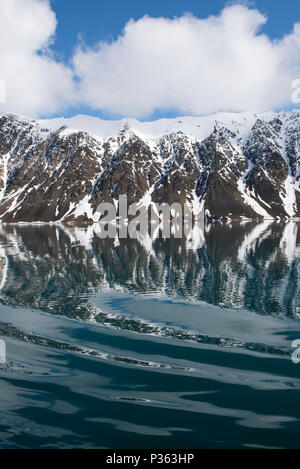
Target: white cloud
{"points": [[36, 83], [190, 65], [186, 64]]}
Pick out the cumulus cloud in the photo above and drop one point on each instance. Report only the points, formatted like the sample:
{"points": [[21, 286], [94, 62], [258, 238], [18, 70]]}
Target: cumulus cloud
{"points": [[36, 83], [190, 65], [186, 64]]}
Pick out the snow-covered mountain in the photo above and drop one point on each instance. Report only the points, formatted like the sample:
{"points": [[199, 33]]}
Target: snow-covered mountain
{"points": [[227, 165]]}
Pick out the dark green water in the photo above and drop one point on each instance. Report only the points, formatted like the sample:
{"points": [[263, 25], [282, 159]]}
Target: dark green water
{"points": [[150, 344]]}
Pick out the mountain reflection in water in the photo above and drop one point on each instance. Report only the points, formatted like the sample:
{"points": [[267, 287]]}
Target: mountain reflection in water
{"points": [[210, 320], [250, 266]]}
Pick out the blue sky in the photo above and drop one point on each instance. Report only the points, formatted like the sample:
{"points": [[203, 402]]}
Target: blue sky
{"points": [[223, 56], [95, 20], [104, 20]]}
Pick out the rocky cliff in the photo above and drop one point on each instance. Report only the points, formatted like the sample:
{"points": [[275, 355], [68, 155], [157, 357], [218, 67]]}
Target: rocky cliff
{"points": [[225, 166]]}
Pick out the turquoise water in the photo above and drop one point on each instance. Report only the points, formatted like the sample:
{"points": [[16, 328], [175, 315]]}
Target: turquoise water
{"points": [[150, 343]]}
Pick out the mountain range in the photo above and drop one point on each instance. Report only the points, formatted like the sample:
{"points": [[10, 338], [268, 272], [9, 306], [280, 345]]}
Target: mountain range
{"points": [[225, 166]]}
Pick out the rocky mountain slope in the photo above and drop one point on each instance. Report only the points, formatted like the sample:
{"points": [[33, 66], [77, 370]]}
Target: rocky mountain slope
{"points": [[225, 166]]}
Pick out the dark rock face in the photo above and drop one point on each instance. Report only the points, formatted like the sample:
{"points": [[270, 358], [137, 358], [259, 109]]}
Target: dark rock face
{"points": [[245, 172]]}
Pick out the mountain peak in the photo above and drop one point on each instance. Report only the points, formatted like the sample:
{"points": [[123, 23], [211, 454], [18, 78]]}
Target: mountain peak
{"points": [[228, 165]]}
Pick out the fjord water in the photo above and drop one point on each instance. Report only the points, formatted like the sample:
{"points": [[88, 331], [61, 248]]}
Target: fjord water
{"points": [[150, 343]]}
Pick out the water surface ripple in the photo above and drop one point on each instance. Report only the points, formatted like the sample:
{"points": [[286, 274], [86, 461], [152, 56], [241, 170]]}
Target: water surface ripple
{"points": [[150, 343]]}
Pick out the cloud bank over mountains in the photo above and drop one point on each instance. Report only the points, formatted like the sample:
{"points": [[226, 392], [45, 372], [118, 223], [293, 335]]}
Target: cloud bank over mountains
{"points": [[187, 65], [36, 83]]}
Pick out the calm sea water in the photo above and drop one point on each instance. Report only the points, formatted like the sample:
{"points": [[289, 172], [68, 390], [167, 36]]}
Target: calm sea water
{"points": [[150, 343]]}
